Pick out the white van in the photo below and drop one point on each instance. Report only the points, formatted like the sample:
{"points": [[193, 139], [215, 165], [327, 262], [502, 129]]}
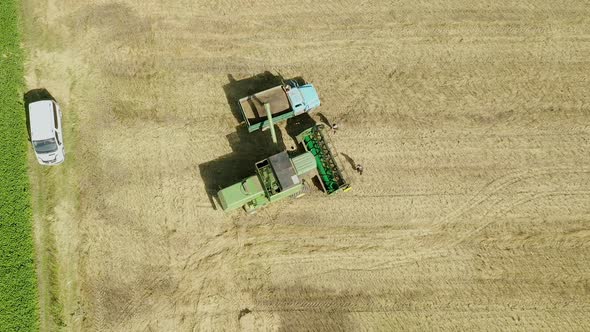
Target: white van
{"points": [[46, 132]]}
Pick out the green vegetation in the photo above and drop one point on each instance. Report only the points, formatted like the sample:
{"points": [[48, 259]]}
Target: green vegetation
{"points": [[18, 285]]}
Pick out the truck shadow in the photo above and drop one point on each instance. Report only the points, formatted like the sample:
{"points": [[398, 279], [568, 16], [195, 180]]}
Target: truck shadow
{"points": [[32, 96], [247, 149]]}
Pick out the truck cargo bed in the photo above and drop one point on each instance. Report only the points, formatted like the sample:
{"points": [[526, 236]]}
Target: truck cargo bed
{"points": [[253, 106]]}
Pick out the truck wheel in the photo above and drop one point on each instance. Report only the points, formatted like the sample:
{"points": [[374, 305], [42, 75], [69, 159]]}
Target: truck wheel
{"points": [[250, 209]]}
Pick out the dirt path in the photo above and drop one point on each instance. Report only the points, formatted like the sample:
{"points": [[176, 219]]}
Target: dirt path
{"points": [[471, 122]]}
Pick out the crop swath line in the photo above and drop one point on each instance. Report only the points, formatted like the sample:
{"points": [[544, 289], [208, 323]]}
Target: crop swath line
{"points": [[18, 285]]}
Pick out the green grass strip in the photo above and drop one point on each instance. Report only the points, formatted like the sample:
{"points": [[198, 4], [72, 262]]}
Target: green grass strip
{"points": [[18, 284]]}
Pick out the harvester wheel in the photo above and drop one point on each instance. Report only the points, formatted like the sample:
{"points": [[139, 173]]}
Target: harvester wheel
{"points": [[304, 190]]}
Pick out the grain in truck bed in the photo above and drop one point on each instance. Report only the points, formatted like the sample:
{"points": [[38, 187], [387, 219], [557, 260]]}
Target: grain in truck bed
{"points": [[253, 106]]}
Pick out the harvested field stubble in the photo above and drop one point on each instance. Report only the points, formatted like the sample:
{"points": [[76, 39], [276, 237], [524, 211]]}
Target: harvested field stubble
{"points": [[471, 122]]}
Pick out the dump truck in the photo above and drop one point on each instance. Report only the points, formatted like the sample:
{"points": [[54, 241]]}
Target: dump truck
{"points": [[286, 101], [277, 177], [331, 175]]}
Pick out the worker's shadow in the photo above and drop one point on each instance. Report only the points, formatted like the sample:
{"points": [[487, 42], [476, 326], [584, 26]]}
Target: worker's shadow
{"points": [[349, 160], [32, 96], [247, 149]]}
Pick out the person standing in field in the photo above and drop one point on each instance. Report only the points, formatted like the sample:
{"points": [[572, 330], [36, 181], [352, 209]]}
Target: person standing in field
{"points": [[359, 168], [334, 127]]}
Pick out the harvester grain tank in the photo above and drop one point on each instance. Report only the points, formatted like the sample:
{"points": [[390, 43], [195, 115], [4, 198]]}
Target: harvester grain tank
{"points": [[285, 101]]}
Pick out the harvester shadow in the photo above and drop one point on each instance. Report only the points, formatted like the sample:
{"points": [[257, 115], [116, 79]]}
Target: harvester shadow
{"points": [[247, 149], [296, 125], [32, 96]]}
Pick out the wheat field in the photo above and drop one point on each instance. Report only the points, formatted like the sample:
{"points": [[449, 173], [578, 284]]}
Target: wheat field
{"points": [[472, 121]]}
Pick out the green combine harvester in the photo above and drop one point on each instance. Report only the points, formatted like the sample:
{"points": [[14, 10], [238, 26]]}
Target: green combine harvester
{"points": [[281, 175]]}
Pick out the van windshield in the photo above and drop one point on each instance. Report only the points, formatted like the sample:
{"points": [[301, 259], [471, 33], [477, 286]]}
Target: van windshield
{"points": [[45, 146]]}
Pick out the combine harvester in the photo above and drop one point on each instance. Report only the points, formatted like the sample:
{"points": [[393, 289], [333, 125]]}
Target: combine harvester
{"points": [[285, 101], [277, 177], [281, 176]]}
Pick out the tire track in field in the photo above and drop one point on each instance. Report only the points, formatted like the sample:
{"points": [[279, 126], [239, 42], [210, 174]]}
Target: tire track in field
{"points": [[203, 262], [511, 205], [483, 196], [497, 185], [481, 203]]}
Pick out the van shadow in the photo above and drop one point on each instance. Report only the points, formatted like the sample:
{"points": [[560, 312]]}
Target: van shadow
{"points": [[247, 149], [32, 96]]}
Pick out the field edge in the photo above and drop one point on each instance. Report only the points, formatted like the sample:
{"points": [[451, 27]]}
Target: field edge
{"points": [[19, 306]]}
